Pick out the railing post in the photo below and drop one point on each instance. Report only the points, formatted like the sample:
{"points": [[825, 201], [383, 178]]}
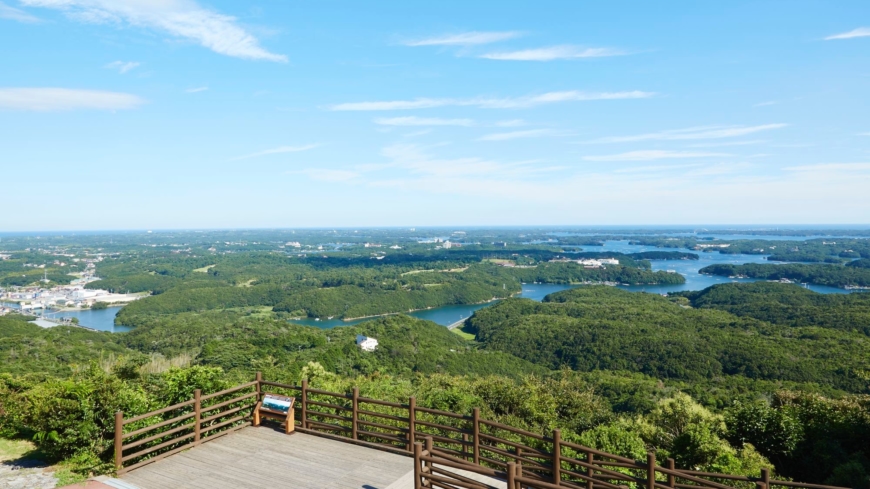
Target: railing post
{"points": [[412, 422], [590, 459], [557, 457], [355, 412], [304, 409], [197, 415], [418, 473], [428, 446], [765, 477], [465, 446], [476, 433], [511, 475], [259, 379], [672, 481], [119, 440], [651, 470]]}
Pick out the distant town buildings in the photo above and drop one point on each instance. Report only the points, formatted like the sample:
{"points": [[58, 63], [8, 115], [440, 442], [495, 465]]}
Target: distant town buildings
{"points": [[705, 246], [588, 262], [62, 296], [365, 343]]}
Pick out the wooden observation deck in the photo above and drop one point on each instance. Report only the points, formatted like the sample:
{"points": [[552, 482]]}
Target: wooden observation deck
{"points": [[347, 441]]}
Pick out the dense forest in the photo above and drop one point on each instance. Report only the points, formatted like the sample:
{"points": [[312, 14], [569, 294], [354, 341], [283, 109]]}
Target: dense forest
{"points": [[787, 304], [831, 275]]}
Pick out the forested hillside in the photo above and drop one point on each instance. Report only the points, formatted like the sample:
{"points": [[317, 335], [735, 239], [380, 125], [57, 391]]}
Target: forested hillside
{"points": [[603, 328], [788, 304]]}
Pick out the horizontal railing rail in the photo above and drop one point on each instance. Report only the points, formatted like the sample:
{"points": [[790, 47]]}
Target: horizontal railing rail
{"points": [[454, 442], [149, 437]]}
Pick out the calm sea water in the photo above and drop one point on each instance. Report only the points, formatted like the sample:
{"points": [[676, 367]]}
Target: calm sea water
{"points": [[102, 320]]}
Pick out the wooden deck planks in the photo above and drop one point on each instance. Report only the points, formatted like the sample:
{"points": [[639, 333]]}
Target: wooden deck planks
{"points": [[262, 457]]}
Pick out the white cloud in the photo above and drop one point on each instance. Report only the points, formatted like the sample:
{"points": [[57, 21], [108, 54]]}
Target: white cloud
{"points": [[525, 190], [417, 161], [464, 39], [180, 18], [196, 90], [652, 154], [864, 133], [49, 99], [12, 13], [122, 66], [656, 168], [327, 175], [830, 167], [553, 53], [505, 136], [491, 103], [511, 123], [859, 32], [422, 121], [765, 104], [727, 143], [709, 132], [278, 150]]}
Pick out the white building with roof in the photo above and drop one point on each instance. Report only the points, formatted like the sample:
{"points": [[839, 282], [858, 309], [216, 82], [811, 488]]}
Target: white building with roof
{"points": [[365, 343]]}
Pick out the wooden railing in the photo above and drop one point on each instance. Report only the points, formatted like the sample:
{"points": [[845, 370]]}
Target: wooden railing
{"points": [[151, 436], [452, 441]]}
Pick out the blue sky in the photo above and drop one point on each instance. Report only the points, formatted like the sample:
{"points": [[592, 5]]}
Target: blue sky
{"points": [[215, 114]]}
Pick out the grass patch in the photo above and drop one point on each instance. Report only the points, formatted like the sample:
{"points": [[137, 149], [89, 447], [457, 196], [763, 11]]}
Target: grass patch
{"points": [[15, 449], [66, 477], [203, 269], [464, 334]]}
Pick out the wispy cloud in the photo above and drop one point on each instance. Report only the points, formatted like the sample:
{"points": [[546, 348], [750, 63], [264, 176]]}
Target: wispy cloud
{"points": [[180, 18], [51, 99], [554, 53], [657, 168], [18, 15], [329, 175], [278, 150], [492, 103], [505, 136], [418, 161], [122, 66], [864, 133], [765, 104], [464, 39], [511, 123], [196, 90], [652, 154], [859, 32], [840, 167], [422, 121], [707, 132], [726, 143]]}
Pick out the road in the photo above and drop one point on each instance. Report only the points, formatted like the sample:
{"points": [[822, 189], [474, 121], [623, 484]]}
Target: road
{"points": [[457, 323]]}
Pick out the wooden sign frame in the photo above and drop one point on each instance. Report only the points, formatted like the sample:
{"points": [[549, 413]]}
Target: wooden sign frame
{"points": [[288, 418]]}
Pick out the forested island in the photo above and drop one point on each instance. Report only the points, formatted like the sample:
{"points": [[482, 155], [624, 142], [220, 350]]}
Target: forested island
{"points": [[831, 275]]}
